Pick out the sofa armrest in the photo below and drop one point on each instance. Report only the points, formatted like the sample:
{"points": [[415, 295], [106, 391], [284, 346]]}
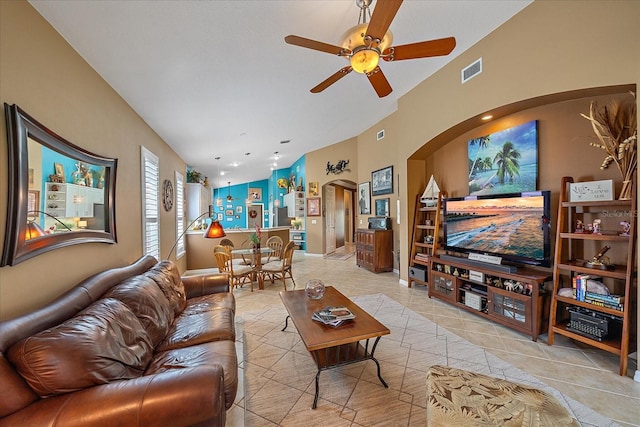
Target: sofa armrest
{"points": [[181, 397], [205, 284]]}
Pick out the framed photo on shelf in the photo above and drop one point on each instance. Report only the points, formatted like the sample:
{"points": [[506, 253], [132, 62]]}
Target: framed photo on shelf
{"points": [[364, 198], [59, 168], [382, 181], [382, 207], [313, 206]]}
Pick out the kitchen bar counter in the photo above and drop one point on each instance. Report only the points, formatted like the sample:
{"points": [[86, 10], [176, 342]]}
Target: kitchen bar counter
{"points": [[200, 250]]}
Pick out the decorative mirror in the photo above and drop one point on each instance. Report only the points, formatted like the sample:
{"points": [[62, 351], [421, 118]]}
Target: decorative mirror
{"points": [[60, 194]]}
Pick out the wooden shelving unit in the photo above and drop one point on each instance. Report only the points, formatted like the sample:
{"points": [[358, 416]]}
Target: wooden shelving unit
{"points": [[569, 261], [425, 239]]}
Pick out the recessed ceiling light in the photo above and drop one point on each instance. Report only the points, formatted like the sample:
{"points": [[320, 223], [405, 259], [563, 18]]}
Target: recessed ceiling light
{"points": [[235, 164]]}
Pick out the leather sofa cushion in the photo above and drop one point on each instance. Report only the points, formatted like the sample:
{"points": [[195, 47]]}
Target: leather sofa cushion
{"points": [[210, 302], [190, 329], [167, 277], [145, 299], [103, 343], [221, 353]]}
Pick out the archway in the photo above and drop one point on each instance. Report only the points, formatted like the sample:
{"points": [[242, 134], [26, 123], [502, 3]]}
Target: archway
{"points": [[339, 198]]}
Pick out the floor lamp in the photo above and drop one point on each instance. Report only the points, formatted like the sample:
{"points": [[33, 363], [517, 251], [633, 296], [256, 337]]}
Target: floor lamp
{"points": [[34, 230], [213, 231]]}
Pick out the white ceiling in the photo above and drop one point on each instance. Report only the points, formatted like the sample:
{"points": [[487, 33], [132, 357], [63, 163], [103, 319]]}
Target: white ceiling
{"points": [[215, 78]]}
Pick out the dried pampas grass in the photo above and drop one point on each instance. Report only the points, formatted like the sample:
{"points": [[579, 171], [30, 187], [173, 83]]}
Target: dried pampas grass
{"points": [[616, 128]]}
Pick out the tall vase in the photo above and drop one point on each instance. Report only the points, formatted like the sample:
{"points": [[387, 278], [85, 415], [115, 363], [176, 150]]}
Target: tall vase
{"points": [[625, 192]]}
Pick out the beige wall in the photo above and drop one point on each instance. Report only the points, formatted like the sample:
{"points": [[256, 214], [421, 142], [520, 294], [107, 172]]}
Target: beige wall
{"points": [[42, 74], [315, 169]]}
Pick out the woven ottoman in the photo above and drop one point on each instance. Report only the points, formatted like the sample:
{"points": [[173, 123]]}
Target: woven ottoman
{"points": [[456, 397]]}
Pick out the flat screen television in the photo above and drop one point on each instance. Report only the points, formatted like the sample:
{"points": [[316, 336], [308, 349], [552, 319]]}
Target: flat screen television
{"points": [[514, 226]]}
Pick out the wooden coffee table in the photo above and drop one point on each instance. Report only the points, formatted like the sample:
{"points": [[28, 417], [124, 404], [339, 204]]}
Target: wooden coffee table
{"points": [[332, 347]]}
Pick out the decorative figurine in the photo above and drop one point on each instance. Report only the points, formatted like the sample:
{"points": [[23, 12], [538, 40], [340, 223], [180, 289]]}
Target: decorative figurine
{"points": [[597, 224], [626, 227], [579, 227]]}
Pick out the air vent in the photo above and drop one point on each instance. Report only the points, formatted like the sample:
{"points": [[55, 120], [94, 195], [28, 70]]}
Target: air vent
{"points": [[380, 135], [471, 70]]}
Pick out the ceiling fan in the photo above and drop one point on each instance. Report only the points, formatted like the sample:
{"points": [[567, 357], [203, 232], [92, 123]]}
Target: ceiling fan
{"points": [[365, 44]]}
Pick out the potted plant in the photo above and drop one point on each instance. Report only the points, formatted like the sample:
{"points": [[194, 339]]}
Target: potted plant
{"points": [[194, 176]]}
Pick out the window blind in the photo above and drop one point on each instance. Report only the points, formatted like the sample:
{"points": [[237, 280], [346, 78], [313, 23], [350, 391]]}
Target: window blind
{"points": [[150, 203], [179, 214]]}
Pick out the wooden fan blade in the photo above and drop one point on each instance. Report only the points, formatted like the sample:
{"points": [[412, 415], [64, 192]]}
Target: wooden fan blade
{"points": [[379, 82], [316, 45], [381, 18], [426, 49], [332, 79]]}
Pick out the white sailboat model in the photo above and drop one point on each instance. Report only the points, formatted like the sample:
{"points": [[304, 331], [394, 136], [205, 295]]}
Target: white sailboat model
{"points": [[430, 195]]}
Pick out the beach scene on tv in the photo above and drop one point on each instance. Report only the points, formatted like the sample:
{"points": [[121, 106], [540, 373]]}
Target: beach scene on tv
{"points": [[510, 226], [504, 161]]}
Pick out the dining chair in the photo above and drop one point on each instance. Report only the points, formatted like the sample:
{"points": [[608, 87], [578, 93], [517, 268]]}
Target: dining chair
{"points": [[281, 269], [238, 274], [227, 243], [276, 244]]}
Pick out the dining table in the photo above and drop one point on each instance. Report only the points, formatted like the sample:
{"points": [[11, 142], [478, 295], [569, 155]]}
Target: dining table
{"points": [[254, 258]]}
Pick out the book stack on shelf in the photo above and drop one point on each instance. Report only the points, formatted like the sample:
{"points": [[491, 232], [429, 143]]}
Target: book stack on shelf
{"points": [[581, 293], [333, 316], [422, 257]]}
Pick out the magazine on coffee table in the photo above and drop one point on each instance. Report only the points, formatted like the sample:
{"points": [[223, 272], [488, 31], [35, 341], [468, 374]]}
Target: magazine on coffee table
{"points": [[333, 316]]}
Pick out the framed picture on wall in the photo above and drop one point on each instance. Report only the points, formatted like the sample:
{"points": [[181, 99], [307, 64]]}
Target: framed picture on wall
{"points": [[364, 198], [382, 181], [313, 189], [505, 161], [255, 194], [229, 212], [33, 201], [313, 206], [238, 209], [382, 207], [219, 217]]}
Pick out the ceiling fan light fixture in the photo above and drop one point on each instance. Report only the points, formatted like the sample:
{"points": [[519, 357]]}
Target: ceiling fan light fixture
{"points": [[364, 60], [365, 54]]}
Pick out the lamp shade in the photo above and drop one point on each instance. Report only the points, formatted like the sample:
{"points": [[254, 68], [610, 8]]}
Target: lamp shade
{"points": [[33, 231], [214, 230]]}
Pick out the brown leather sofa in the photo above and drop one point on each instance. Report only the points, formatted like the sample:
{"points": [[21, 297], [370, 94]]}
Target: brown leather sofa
{"points": [[130, 346]]}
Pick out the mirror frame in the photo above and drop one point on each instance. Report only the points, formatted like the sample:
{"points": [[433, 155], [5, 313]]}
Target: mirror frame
{"points": [[20, 127]]}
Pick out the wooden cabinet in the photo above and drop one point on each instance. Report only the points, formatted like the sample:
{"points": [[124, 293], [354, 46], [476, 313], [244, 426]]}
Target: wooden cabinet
{"points": [[71, 201], [294, 201], [586, 320], [516, 300], [425, 239], [199, 198], [374, 249]]}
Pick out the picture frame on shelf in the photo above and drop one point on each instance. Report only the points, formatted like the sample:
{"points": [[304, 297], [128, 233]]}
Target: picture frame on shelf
{"points": [[59, 169], [313, 206], [382, 181], [364, 198], [382, 207]]}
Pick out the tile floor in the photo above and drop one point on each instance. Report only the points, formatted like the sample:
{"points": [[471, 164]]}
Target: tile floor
{"points": [[583, 373]]}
